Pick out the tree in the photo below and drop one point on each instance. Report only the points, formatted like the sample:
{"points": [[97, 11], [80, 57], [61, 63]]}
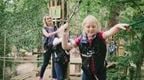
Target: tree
{"points": [[21, 22]]}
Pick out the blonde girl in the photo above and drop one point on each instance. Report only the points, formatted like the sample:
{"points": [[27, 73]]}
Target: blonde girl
{"points": [[92, 47]]}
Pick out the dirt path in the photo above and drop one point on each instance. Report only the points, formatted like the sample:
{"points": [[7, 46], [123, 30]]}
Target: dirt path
{"points": [[29, 71]]}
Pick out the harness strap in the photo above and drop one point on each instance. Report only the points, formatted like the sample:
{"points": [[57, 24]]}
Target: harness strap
{"points": [[85, 55], [92, 66], [93, 69]]}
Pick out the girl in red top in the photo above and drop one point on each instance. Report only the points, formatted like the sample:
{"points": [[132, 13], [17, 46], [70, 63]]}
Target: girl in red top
{"points": [[92, 47]]}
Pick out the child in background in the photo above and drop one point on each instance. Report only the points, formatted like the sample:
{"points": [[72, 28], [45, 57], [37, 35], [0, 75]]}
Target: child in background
{"points": [[61, 59]]}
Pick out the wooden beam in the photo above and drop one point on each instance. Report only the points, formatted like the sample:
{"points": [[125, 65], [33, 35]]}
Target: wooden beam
{"points": [[62, 12]]}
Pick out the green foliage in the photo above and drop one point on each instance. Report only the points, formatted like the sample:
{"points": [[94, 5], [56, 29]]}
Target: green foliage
{"points": [[120, 71], [20, 23], [24, 21]]}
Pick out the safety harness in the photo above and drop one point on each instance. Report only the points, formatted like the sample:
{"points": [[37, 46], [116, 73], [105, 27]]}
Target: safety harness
{"points": [[60, 55], [93, 56], [47, 41]]}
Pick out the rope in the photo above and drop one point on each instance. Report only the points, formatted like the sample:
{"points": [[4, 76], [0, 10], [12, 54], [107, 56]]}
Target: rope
{"points": [[134, 24], [17, 58], [23, 61], [76, 8]]}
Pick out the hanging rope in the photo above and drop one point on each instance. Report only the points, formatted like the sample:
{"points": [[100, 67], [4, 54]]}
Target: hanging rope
{"points": [[76, 8]]}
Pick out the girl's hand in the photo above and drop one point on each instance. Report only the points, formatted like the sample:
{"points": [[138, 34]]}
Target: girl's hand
{"points": [[122, 26], [65, 28], [61, 28], [115, 29]]}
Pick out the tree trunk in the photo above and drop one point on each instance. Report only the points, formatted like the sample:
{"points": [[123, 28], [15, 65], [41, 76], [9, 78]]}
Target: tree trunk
{"points": [[113, 17], [138, 71]]}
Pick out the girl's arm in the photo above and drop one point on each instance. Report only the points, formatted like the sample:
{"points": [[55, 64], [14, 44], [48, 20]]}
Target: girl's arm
{"points": [[114, 30], [45, 33], [65, 44], [56, 41]]}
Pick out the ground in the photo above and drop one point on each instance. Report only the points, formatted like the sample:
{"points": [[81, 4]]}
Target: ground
{"points": [[29, 71]]}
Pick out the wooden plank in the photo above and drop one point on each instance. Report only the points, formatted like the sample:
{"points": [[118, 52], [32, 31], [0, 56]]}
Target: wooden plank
{"points": [[23, 76], [75, 60]]}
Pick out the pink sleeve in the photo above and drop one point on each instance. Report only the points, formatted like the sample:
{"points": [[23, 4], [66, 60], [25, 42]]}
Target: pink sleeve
{"points": [[77, 40]]}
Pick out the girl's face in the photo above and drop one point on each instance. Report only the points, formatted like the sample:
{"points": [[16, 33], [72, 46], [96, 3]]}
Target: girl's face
{"points": [[90, 28], [48, 20]]}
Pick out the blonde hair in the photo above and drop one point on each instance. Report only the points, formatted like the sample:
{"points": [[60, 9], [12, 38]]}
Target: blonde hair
{"points": [[44, 20], [93, 19]]}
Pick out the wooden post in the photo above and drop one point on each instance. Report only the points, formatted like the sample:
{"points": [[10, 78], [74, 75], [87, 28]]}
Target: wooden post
{"points": [[4, 55], [55, 12], [62, 15]]}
